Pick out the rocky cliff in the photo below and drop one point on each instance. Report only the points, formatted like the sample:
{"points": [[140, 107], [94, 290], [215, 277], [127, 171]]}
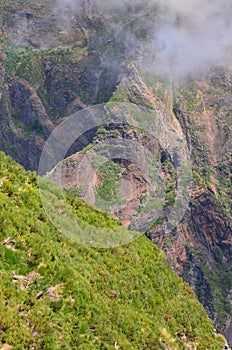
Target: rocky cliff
{"points": [[49, 71], [199, 249]]}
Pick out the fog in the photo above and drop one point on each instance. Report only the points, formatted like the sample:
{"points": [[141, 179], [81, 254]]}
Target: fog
{"points": [[186, 35], [192, 35]]}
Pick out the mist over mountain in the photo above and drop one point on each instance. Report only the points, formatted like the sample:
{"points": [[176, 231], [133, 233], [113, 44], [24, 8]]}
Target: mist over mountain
{"points": [[193, 35], [184, 39], [168, 58]]}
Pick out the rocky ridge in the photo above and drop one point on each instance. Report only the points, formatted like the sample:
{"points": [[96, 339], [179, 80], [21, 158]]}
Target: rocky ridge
{"points": [[40, 85]]}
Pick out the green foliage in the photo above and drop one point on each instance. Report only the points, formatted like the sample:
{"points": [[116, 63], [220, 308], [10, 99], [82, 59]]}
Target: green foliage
{"points": [[170, 184], [24, 62], [224, 185], [158, 222], [109, 174], [219, 280], [74, 297]]}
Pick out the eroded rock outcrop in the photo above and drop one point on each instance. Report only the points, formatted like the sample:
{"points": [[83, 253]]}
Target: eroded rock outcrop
{"points": [[64, 71], [200, 248]]}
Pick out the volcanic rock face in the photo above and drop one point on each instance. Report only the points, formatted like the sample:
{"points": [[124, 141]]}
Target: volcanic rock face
{"points": [[200, 248], [76, 171], [41, 85], [200, 251], [48, 73]]}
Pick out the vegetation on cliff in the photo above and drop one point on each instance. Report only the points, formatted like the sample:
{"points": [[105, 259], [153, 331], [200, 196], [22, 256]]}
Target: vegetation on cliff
{"points": [[49, 70], [56, 294]]}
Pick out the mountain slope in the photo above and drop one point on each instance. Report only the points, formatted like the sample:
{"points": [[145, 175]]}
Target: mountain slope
{"points": [[56, 294], [52, 66], [200, 248]]}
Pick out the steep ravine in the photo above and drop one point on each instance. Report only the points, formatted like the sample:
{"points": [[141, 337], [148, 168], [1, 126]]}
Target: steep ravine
{"points": [[41, 85], [200, 248]]}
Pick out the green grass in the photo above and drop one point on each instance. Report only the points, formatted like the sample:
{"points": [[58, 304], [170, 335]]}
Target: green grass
{"points": [[126, 297]]}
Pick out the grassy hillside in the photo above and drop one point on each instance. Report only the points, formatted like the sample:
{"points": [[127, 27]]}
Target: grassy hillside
{"points": [[56, 294]]}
